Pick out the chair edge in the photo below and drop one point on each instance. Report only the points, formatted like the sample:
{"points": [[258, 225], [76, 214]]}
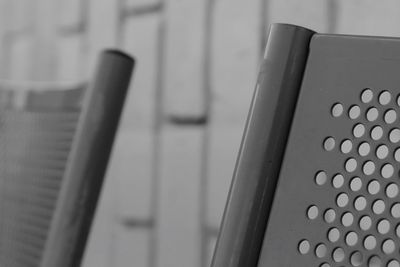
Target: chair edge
{"points": [[88, 160], [262, 148]]}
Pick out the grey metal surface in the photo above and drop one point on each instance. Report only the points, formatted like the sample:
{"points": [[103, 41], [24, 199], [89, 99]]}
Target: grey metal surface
{"points": [[336, 203], [264, 140]]}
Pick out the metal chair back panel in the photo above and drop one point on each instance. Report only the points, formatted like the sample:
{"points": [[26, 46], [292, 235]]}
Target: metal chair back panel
{"points": [[316, 182], [337, 201]]}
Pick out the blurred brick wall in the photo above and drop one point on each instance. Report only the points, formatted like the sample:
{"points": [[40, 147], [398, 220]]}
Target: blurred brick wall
{"points": [[197, 64]]}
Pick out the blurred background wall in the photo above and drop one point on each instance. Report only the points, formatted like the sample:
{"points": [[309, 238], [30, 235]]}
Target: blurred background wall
{"points": [[183, 120]]}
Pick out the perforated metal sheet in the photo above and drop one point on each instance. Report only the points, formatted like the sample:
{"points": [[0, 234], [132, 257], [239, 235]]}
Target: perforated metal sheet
{"points": [[337, 201], [36, 133]]}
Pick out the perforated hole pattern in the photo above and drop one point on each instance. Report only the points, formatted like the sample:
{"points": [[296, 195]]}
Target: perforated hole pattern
{"points": [[363, 226]]}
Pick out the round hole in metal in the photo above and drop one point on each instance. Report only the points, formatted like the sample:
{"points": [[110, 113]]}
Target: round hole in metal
{"points": [[397, 154], [333, 235], [394, 135], [376, 133], [384, 98], [354, 112], [393, 263], [312, 212], [365, 223], [338, 181], [374, 261], [360, 203], [337, 110], [321, 177], [369, 167], [372, 114], [329, 143], [342, 200], [369, 242], [367, 95], [388, 246], [374, 187], [358, 130], [351, 238], [346, 146], [338, 255], [383, 226], [320, 250], [350, 165], [378, 207], [395, 210], [355, 184], [347, 219], [330, 215], [398, 230], [382, 151], [390, 116], [356, 259], [387, 170], [363, 149], [304, 246], [392, 190]]}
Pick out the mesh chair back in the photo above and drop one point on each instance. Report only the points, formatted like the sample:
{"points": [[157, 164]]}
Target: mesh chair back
{"points": [[334, 199], [35, 141], [43, 135]]}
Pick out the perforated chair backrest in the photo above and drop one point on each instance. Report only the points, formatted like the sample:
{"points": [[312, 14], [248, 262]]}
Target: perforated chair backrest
{"points": [[317, 179], [54, 146]]}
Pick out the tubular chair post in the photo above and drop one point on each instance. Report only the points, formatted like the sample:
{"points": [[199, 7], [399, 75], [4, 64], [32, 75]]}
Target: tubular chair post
{"points": [[257, 168], [88, 161]]}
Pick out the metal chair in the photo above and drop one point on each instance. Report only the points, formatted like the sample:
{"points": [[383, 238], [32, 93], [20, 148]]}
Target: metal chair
{"points": [[55, 142], [317, 178]]}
